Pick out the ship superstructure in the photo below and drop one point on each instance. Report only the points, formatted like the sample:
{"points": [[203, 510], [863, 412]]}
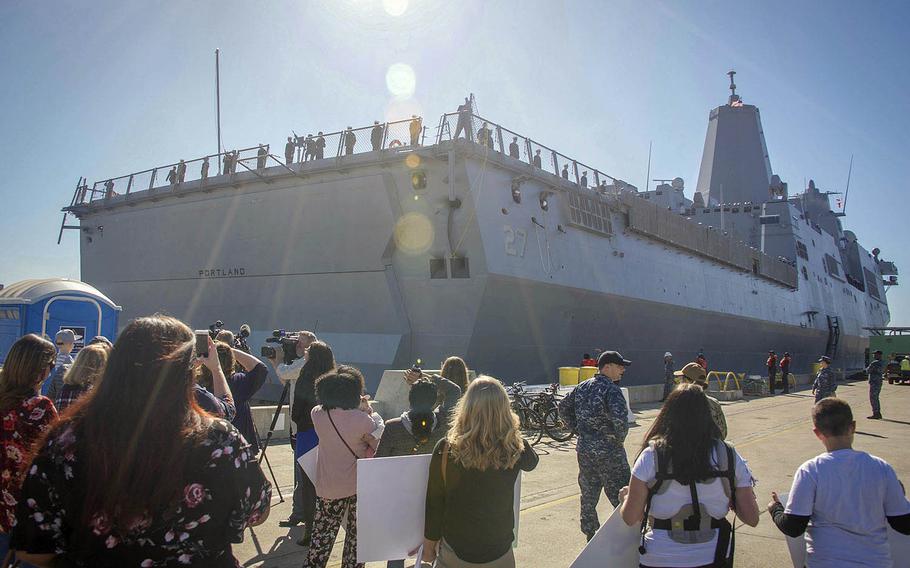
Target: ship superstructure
{"points": [[477, 241]]}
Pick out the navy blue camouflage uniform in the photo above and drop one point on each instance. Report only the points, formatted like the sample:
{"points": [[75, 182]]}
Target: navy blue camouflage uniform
{"points": [[825, 384], [875, 370], [597, 410]]}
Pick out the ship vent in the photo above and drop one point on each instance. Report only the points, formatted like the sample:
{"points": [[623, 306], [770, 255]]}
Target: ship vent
{"points": [[589, 212]]}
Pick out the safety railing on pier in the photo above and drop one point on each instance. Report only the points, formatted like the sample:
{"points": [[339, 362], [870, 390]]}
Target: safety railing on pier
{"points": [[403, 134], [500, 139]]}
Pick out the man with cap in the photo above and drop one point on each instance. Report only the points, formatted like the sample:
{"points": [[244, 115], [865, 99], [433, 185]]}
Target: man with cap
{"points": [[66, 342], [825, 383], [875, 372], [772, 370], [785, 371], [376, 136], [695, 374], [597, 410], [669, 382]]}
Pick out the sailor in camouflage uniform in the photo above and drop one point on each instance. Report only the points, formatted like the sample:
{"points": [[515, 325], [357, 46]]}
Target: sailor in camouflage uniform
{"points": [[875, 370], [825, 383], [597, 410]]}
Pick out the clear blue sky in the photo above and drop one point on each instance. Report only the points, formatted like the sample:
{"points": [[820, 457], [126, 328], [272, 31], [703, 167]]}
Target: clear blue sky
{"points": [[104, 88]]}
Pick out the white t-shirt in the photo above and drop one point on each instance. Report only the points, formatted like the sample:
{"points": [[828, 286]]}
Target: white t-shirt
{"points": [[848, 494], [661, 549]]}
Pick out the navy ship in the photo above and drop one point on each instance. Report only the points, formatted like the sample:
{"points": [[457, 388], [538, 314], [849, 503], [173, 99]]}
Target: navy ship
{"points": [[404, 241]]}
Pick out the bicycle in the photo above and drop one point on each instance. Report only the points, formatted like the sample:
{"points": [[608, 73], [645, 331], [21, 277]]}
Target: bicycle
{"points": [[546, 404], [530, 423]]}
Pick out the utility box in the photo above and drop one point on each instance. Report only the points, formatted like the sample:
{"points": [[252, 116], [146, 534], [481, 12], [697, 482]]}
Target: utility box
{"points": [[46, 306]]}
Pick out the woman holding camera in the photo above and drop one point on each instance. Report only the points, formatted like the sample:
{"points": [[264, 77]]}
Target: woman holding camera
{"points": [[470, 493], [348, 430], [683, 483], [319, 361], [243, 385], [25, 415], [97, 496]]}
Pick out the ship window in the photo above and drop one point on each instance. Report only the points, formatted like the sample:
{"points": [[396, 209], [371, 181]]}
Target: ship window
{"points": [[801, 250], [805, 273], [460, 268], [438, 268], [871, 284], [831, 266]]}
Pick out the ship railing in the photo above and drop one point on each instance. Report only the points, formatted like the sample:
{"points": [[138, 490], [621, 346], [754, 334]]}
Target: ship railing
{"points": [[396, 135], [498, 138], [393, 135], [156, 178]]}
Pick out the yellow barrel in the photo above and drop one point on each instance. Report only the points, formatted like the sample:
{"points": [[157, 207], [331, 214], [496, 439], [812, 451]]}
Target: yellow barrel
{"points": [[568, 376], [586, 373]]}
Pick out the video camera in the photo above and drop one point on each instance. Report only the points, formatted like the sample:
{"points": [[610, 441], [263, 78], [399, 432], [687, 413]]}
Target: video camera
{"points": [[286, 341], [239, 337]]}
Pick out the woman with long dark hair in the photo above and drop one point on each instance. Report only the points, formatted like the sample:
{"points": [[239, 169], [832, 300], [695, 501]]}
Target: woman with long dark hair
{"points": [[319, 361], [683, 483], [168, 484], [25, 415]]}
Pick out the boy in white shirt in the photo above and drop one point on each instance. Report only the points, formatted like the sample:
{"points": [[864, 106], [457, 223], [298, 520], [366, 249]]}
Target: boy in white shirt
{"points": [[842, 498]]}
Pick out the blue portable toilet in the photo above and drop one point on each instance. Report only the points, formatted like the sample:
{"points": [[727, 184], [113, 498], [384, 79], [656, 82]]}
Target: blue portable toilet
{"points": [[46, 306]]}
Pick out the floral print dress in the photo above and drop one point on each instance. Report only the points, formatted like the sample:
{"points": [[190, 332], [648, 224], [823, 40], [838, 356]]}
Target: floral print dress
{"points": [[22, 426], [224, 491]]}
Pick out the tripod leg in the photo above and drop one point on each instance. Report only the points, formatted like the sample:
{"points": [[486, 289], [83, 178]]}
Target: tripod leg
{"points": [[274, 481]]}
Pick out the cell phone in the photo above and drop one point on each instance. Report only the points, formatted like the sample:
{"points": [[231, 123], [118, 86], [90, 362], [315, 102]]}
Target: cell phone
{"points": [[202, 342]]}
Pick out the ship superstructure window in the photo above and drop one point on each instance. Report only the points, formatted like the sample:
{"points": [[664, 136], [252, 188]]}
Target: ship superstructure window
{"points": [[589, 212], [801, 250], [871, 284]]}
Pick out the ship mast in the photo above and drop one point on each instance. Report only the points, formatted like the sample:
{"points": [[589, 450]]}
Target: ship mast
{"points": [[734, 98]]}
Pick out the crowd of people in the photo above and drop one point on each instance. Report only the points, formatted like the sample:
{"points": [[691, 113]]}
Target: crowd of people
{"points": [[78, 492]]}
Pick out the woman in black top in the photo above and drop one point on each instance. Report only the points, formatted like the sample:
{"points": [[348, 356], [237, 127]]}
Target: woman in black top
{"points": [[470, 492], [319, 360]]}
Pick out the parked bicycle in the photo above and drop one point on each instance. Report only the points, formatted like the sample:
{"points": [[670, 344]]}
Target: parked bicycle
{"points": [[530, 422], [546, 404]]}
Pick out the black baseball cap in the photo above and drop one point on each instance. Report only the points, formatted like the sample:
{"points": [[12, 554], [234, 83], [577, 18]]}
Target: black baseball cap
{"points": [[612, 357]]}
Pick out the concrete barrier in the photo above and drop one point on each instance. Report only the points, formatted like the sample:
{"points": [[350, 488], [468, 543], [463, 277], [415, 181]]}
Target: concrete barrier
{"points": [[262, 419]]}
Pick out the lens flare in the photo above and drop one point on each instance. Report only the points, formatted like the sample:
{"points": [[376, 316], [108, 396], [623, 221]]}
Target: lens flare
{"points": [[401, 80], [414, 233], [395, 7]]}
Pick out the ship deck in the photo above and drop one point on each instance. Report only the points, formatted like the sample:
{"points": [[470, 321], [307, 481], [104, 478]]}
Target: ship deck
{"points": [[549, 536]]}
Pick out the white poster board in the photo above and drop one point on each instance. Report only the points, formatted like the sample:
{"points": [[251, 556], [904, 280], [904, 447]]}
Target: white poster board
{"points": [[615, 545], [899, 543], [630, 416], [391, 501], [308, 462]]}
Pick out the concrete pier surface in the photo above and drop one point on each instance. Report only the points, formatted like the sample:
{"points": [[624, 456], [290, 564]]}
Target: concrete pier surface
{"points": [[774, 434]]}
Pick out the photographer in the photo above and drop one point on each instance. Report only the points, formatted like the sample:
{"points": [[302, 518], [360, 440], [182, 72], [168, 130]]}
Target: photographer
{"points": [[449, 392], [243, 385], [218, 401]]}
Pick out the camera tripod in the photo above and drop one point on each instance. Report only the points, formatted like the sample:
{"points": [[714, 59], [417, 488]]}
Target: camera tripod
{"points": [[268, 437]]}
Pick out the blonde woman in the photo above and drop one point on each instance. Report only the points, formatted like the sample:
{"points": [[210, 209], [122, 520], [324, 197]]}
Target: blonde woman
{"points": [[83, 375], [470, 492]]}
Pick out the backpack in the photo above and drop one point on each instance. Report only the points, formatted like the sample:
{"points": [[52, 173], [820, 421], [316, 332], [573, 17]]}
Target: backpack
{"points": [[692, 525]]}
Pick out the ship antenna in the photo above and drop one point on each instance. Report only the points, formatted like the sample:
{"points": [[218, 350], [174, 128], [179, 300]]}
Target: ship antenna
{"points": [[218, 106], [648, 175], [733, 96], [847, 191]]}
